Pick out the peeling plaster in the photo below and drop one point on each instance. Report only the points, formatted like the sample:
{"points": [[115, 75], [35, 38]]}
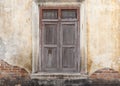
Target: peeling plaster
{"points": [[15, 25], [103, 36]]}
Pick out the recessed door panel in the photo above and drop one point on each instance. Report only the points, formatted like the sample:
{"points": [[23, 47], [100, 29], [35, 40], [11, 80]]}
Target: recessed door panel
{"points": [[68, 46], [68, 55], [50, 56], [68, 34], [50, 33]]}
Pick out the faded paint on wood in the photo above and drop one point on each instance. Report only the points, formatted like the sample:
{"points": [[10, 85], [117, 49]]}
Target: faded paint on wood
{"points": [[59, 44], [68, 33], [68, 57], [50, 34]]}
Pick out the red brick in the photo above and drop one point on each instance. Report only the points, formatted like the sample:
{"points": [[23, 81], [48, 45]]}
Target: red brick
{"points": [[11, 71], [106, 74]]}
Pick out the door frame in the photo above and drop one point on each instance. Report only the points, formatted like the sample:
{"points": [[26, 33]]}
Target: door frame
{"points": [[36, 36]]}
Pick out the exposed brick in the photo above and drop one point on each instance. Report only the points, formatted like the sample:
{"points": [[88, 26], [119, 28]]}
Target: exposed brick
{"points": [[106, 74], [7, 70]]}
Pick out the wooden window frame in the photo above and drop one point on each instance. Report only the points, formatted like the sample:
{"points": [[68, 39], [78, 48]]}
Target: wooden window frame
{"points": [[42, 20], [36, 32]]}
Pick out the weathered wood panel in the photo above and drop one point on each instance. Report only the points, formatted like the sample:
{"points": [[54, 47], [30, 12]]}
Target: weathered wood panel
{"points": [[68, 33], [50, 34], [50, 57], [68, 57]]}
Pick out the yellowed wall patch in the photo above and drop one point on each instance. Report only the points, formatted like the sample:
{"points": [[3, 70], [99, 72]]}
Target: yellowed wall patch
{"points": [[104, 34]]}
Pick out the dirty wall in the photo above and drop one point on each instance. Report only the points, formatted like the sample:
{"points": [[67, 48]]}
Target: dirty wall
{"points": [[15, 36], [103, 33], [103, 25]]}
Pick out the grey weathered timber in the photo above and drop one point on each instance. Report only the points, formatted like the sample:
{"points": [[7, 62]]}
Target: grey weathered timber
{"points": [[50, 33], [69, 39], [59, 48], [49, 54]]}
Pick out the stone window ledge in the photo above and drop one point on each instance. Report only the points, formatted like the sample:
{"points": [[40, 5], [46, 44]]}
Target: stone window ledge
{"points": [[59, 76]]}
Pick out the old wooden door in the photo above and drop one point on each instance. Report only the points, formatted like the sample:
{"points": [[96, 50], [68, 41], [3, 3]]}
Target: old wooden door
{"points": [[59, 40]]}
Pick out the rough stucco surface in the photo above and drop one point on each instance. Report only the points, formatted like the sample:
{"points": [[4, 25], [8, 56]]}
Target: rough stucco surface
{"points": [[103, 25], [103, 22], [15, 36]]}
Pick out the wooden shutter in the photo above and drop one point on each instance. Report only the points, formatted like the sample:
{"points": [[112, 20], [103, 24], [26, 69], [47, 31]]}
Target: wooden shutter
{"points": [[50, 47], [68, 46], [59, 40]]}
